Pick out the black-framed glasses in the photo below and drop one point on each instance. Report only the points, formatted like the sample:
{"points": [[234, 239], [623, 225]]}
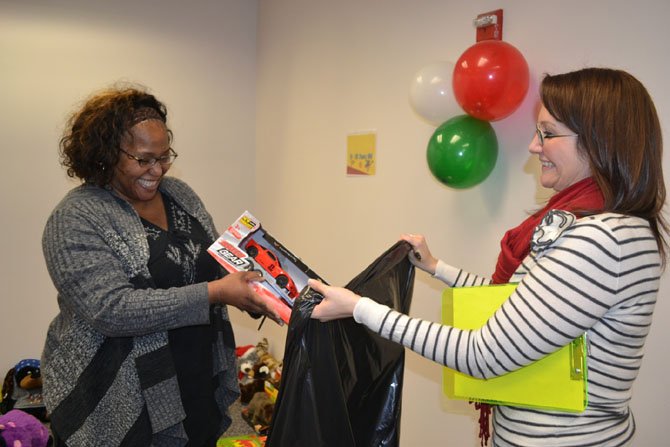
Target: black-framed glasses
{"points": [[542, 135], [164, 160]]}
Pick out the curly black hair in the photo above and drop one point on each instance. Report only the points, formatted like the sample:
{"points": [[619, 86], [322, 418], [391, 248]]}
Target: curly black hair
{"points": [[90, 146]]}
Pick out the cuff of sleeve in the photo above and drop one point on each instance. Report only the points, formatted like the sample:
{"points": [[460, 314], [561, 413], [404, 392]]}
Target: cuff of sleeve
{"points": [[445, 272], [196, 302], [370, 313]]}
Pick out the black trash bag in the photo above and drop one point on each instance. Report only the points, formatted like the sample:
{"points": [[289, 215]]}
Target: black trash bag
{"points": [[342, 383]]}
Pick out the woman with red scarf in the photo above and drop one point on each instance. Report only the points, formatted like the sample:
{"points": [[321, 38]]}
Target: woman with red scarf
{"points": [[589, 262]]}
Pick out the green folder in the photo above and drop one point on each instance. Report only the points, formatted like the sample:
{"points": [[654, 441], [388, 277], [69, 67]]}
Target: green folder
{"points": [[555, 382]]}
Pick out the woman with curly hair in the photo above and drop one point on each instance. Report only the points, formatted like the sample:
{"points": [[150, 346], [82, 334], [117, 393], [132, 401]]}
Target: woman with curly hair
{"points": [[142, 351], [589, 262]]}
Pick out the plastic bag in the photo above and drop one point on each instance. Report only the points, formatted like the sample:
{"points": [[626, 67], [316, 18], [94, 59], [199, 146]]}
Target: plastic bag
{"points": [[342, 383]]}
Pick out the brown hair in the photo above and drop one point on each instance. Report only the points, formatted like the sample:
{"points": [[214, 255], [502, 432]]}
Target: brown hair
{"points": [[89, 148], [620, 135]]}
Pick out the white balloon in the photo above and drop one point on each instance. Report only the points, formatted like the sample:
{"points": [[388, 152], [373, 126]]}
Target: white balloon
{"points": [[432, 94]]}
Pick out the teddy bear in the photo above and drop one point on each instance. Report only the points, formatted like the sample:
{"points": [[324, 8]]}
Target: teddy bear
{"points": [[250, 376], [22, 389], [256, 366], [274, 369], [259, 412], [254, 382]]}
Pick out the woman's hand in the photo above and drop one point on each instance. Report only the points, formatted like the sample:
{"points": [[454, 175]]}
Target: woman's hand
{"points": [[337, 302], [234, 289], [420, 256]]}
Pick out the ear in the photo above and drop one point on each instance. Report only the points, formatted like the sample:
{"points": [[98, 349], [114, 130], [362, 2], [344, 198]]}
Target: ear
{"points": [[7, 392]]}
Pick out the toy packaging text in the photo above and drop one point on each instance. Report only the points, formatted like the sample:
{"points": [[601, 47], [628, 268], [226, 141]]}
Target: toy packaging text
{"points": [[246, 246]]}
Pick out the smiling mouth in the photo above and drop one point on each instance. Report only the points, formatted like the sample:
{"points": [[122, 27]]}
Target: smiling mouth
{"points": [[148, 184]]}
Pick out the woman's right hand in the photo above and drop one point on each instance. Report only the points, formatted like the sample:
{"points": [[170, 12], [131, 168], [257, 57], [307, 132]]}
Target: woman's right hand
{"points": [[337, 302], [234, 289], [420, 256]]}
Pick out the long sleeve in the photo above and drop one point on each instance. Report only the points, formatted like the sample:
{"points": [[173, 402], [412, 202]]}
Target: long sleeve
{"points": [[599, 276], [96, 253], [455, 277], [108, 348], [562, 294]]}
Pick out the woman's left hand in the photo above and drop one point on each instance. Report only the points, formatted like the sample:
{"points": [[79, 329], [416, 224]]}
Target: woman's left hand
{"points": [[421, 256], [337, 302]]}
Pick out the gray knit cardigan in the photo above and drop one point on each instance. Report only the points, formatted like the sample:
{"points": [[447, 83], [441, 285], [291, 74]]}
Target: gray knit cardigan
{"points": [[106, 362]]}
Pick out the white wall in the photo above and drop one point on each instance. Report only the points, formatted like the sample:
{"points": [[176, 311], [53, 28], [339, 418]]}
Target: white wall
{"points": [[329, 68], [319, 70]]}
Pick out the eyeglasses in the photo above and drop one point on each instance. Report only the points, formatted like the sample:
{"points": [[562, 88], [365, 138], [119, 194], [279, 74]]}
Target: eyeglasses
{"points": [[541, 135], [165, 160]]}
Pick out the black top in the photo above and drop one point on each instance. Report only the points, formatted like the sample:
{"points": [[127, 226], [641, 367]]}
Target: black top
{"points": [[179, 257]]}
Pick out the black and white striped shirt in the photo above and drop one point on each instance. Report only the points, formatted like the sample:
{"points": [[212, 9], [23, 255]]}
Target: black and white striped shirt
{"points": [[598, 275]]}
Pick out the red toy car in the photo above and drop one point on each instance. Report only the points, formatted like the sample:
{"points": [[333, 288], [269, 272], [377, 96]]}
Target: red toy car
{"points": [[269, 262]]}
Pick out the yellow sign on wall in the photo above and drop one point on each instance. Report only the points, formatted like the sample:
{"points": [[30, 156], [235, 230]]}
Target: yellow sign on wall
{"points": [[361, 153]]}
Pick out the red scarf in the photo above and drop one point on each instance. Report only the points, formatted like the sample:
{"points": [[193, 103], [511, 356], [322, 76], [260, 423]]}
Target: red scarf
{"points": [[582, 197]]}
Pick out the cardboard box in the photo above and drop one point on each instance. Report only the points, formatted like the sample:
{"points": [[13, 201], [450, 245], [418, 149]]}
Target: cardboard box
{"points": [[247, 246]]}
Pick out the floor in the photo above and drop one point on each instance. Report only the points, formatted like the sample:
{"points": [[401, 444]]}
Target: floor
{"points": [[239, 426]]}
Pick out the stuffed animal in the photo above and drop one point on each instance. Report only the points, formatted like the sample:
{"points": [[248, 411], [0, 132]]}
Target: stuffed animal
{"points": [[22, 389], [251, 354], [259, 376], [255, 366], [254, 382], [247, 357], [20, 429], [274, 369], [259, 412]]}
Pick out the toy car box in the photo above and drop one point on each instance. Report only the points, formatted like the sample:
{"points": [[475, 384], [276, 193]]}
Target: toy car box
{"points": [[246, 246]]}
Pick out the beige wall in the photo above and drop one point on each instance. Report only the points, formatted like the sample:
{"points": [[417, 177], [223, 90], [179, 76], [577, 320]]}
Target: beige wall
{"points": [[264, 103]]}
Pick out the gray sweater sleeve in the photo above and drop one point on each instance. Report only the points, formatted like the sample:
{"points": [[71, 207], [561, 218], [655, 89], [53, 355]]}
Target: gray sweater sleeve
{"points": [[96, 253]]}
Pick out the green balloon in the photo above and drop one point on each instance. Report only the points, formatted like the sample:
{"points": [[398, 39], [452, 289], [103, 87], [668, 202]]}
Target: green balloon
{"points": [[462, 151]]}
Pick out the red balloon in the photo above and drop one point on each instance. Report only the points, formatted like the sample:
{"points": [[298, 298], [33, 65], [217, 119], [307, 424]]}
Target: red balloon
{"points": [[490, 80]]}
